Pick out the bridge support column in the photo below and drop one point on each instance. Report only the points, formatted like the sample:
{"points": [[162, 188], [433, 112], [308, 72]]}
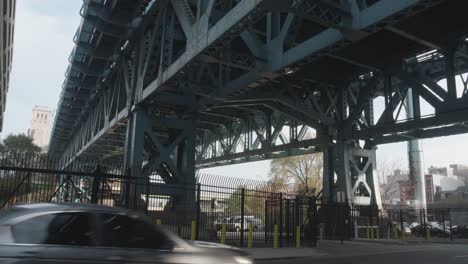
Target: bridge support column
{"points": [[350, 174], [168, 153], [328, 152], [134, 187]]}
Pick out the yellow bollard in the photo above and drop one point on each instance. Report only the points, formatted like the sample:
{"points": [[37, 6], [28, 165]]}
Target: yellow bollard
{"points": [[250, 239], [223, 234], [395, 232], [367, 232], [321, 231], [403, 234], [275, 237], [298, 236], [377, 235], [372, 232], [192, 230], [158, 221], [428, 233]]}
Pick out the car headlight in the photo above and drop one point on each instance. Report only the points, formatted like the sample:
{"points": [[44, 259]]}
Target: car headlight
{"points": [[242, 260]]}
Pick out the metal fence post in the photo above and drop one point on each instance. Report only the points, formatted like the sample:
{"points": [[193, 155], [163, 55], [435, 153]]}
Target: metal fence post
{"points": [[379, 219], [450, 219], [127, 189], [443, 221], [343, 221], [197, 221], [281, 220], [401, 225], [421, 222], [265, 229], [389, 225], [287, 223], [313, 223], [296, 214], [298, 236], [242, 217], [95, 187], [424, 220]]}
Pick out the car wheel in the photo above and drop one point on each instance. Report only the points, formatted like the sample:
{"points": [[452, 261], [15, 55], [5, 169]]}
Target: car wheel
{"points": [[238, 229]]}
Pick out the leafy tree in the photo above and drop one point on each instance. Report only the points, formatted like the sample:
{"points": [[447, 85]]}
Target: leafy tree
{"points": [[20, 150], [19, 143], [254, 202], [305, 171], [233, 203], [23, 186]]}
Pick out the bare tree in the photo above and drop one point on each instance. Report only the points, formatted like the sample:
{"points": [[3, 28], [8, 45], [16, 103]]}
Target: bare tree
{"points": [[305, 171]]}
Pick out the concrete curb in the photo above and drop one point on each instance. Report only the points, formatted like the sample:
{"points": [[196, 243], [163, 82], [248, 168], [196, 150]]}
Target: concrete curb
{"points": [[279, 258], [407, 242], [261, 254]]}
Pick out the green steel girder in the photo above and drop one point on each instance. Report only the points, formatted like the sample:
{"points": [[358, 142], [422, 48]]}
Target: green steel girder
{"points": [[229, 65], [254, 135]]}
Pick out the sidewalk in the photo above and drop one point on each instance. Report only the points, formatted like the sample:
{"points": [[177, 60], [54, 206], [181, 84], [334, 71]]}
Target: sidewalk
{"points": [[412, 241], [283, 253], [325, 248], [334, 248]]}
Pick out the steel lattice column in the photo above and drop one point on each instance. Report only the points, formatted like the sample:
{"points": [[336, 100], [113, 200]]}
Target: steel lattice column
{"points": [[168, 153], [356, 179], [328, 152], [133, 158]]}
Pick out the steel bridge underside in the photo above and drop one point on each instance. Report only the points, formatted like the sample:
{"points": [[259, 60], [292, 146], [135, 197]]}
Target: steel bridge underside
{"points": [[167, 85]]}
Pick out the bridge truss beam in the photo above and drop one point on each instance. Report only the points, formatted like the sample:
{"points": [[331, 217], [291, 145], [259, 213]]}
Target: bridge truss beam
{"points": [[261, 79]]}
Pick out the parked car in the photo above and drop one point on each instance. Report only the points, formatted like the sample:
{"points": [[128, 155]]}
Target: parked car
{"points": [[406, 227], [460, 231], [256, 224], [219, 223], [436, 230], [69, 233]]}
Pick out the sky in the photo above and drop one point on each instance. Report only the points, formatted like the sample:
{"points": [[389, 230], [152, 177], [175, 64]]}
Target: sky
{"points": [[44, 33]]}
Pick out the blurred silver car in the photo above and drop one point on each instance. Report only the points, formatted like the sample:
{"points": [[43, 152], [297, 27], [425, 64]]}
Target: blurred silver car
{"points": [[79, 233], [406, 227]]}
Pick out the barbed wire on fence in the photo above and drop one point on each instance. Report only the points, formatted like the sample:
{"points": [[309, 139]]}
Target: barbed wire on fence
{"points": [[248, 184]]}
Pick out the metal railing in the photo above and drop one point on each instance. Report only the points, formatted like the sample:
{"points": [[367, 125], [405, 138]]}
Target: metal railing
{"points": [[408, 224], [245, 213]]}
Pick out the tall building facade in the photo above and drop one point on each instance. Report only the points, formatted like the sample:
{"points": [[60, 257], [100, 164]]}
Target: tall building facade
{"points": [[439, 180], [41, 124], [461, 171], [7, 29]]}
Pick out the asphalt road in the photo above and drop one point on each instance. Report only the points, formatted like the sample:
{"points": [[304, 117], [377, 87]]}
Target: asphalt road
{"points": [[382, 254]]}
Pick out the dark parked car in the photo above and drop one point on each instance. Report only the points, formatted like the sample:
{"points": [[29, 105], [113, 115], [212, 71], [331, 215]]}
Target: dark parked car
{"points": [[435, 231], [460, 231], [74, 233]]}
